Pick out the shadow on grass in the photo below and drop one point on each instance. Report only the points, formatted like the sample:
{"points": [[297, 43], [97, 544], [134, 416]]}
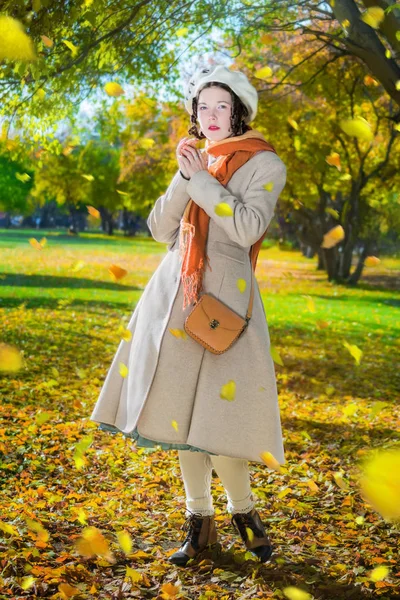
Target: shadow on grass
{"points": [[50, 281], [61, 238]]}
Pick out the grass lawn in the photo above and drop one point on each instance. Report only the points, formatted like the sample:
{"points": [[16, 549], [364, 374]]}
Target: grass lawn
{"points": [[61, 308]]}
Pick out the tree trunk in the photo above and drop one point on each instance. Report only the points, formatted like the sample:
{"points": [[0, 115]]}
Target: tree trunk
{"points": [[355, 276], [321, 263], [330, 256], [74, 220]]}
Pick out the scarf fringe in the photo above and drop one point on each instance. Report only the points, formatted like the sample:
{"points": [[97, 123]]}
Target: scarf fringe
{"points": [[192, 285]]}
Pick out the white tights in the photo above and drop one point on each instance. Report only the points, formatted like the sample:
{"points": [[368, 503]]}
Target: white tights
{"points": [[196, 468]]}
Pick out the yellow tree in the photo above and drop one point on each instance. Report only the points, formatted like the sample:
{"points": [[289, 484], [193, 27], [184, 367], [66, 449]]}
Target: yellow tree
{"points": [[333, 178]]}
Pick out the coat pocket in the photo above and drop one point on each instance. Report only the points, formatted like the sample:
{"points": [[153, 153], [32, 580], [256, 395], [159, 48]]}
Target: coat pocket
{"points": [[230, 251]]}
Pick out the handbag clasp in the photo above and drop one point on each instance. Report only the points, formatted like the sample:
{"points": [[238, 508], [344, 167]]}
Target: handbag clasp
{"points": [[214, 323]]}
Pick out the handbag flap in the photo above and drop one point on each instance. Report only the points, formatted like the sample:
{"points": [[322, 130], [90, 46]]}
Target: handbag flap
{"points": [[213, 323]]}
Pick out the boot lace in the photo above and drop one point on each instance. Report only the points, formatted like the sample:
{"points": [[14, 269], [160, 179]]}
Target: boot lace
{"points": [[246, 520], [192, 528]]}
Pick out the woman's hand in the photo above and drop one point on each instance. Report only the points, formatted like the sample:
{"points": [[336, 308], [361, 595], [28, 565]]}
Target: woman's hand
{"points": [[182, 144], [190, 159]]}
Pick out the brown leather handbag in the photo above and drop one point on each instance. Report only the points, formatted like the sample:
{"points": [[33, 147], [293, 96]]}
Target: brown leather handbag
{"points": [[214, 325]]}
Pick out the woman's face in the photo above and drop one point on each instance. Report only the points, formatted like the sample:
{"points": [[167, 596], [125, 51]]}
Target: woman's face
{"points": [[214, 107]]}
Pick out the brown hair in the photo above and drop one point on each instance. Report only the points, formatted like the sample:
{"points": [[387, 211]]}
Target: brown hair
{"points": [[238, 114]]}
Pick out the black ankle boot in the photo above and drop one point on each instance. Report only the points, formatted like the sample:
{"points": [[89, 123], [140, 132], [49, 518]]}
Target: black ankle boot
{"points": [[260, 545], [200, 533]]}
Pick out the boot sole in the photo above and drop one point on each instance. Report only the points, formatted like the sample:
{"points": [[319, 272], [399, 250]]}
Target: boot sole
{"points": [[213, 549]]}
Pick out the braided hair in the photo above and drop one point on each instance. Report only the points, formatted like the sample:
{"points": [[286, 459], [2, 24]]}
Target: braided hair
{"points": [[238, 114]]}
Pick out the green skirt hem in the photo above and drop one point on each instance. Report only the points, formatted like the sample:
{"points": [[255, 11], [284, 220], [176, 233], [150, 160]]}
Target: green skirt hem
{"points": [[143, 442]]}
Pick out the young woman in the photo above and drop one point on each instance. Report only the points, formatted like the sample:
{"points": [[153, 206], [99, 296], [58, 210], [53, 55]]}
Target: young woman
{"points": [[218, 410]]}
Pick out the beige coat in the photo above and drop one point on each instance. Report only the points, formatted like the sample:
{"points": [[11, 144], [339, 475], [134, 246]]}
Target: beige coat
{"points": [[175, 379]]}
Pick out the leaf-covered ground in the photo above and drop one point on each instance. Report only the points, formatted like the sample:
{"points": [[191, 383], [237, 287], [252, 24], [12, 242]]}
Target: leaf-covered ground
{"points": [[334, 411]]}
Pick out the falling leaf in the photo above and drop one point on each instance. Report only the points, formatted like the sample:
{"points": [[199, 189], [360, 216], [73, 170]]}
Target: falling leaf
{"points": [[93, 211], [223, 209], [241, 285], [174, 425], [15, 44], [178, 333], [67, 151], [10, 358], [342, 483], [322, 324], [124, 333], [329, 390], [350, 409], [122, 193], [82, 516], [379, 573], [360, 520], [228, 391], [368, 80], [333, 237], [125, 541], [92, 543], [271, 461], [346, 23], [35, 244], [47, 41], [89, 178], [276, 357], [332, 211], [250, 534], [113, 89], [373, 16], [380, 482], [345, 177], [334, 160], [293, 123], [357, 127], [24, 177], [146, 143], [388, 54], [263, 73], [354, 350], [294, 593], [269, 186], [71, 46], [182, 31], [310, 303], [117, 272], [27, 582], [78, 266], [123, 370], [371, 261], [41, 94]]}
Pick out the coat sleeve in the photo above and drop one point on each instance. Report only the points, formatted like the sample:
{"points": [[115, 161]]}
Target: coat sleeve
{"points": [[252, 214], [165, 216]]}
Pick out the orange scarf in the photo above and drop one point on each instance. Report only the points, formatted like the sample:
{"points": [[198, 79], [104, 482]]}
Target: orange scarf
{"points": [[232, 152]]}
